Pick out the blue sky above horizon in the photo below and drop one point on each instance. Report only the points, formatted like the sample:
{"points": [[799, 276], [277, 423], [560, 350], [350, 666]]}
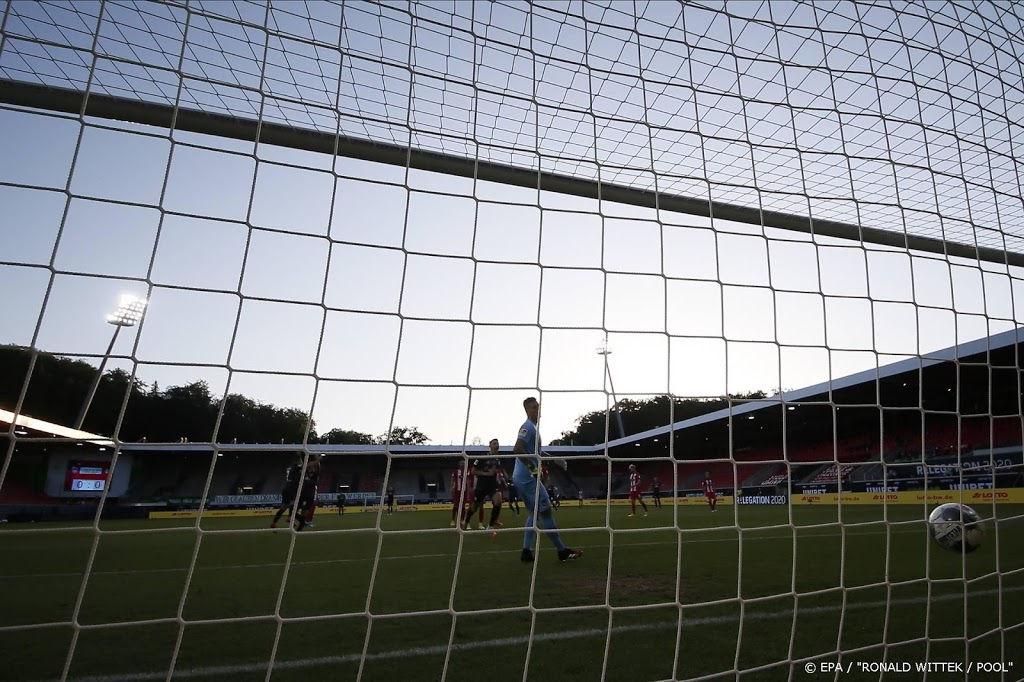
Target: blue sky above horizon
{"points": [[376, 295]]}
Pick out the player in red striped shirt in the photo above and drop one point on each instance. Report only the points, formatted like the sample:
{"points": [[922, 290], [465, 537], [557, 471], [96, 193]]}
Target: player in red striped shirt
{"points": [[458, 496], [634, 490], [709, 490]]}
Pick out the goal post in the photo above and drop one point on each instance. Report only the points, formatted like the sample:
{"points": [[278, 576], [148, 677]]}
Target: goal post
{"points": [[760, 263]]}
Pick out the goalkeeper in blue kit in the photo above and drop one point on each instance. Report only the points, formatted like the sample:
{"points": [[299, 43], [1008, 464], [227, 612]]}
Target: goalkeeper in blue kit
{"points": [[526, 476]]}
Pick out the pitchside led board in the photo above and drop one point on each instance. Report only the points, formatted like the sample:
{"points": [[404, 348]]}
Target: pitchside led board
{"points": [[87, 474]]}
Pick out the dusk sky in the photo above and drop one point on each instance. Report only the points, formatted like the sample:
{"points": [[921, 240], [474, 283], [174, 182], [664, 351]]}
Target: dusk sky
{"points": [[376, 295]]}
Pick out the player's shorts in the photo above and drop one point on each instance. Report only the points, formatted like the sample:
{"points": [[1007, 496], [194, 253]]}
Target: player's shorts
{"points": [[634, 495], [656, 492], [288, 494], [486, 486], [711, 496], [308, 495], [531, 496], [513, 494]]}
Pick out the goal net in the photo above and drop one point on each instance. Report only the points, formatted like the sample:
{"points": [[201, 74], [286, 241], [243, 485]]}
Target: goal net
{"points": [[760, 263]]}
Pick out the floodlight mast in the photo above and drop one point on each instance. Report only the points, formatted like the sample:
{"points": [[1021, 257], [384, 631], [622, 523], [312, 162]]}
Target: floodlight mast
{"points": [[128, 313], [605, 351]]}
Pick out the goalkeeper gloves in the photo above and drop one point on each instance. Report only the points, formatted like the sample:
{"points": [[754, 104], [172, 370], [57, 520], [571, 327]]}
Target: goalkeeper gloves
{"points": [[543, 471]]}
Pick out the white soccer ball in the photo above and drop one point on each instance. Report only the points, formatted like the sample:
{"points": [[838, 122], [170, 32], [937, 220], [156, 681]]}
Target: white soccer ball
{"points": [[956, 527]]}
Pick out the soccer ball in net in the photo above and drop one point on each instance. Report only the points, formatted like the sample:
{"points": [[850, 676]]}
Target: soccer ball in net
{"points": [[956, 527]]}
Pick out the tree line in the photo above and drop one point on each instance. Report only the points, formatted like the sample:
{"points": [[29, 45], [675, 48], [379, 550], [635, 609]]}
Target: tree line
{"points": [[642, 415], [59, 387]]}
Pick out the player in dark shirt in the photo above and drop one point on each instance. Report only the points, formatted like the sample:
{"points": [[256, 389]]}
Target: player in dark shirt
{"points": [[486, 487], [289, 491], [513, 496], [307, 495]]}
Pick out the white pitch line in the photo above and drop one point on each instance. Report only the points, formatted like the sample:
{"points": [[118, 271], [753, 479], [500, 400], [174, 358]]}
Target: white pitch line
{"points": [[298, 664], [438, 555]]}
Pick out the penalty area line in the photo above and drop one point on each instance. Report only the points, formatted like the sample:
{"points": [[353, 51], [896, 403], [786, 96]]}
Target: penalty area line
{"points": [[437, 650]]}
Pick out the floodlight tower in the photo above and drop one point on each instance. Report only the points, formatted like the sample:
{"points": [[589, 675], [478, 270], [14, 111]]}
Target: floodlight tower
{"points": [[129, 311], [605, 351]]}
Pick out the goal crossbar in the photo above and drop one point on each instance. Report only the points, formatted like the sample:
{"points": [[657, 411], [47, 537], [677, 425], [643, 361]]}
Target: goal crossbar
{"points": [[67, 100]]}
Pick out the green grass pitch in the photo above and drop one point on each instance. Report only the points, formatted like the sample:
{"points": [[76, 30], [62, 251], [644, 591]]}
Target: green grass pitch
{"points": [[681, 593]]}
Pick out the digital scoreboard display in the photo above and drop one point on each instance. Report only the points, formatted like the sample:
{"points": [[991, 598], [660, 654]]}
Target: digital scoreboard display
{"points": [[87, 477]]}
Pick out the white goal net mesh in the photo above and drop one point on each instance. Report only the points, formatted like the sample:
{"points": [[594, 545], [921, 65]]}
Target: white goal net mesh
{"points": [[768, 253]]}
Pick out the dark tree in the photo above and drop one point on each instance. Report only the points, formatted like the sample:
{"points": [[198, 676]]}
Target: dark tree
{"points": [[346, 437], [404, 435], [58, 388], [643, 415]]}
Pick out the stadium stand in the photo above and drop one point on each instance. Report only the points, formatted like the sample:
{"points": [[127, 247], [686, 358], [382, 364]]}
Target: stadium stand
{"points": [[19, 492], [775, 479], [722, 474], [833, 473]]}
